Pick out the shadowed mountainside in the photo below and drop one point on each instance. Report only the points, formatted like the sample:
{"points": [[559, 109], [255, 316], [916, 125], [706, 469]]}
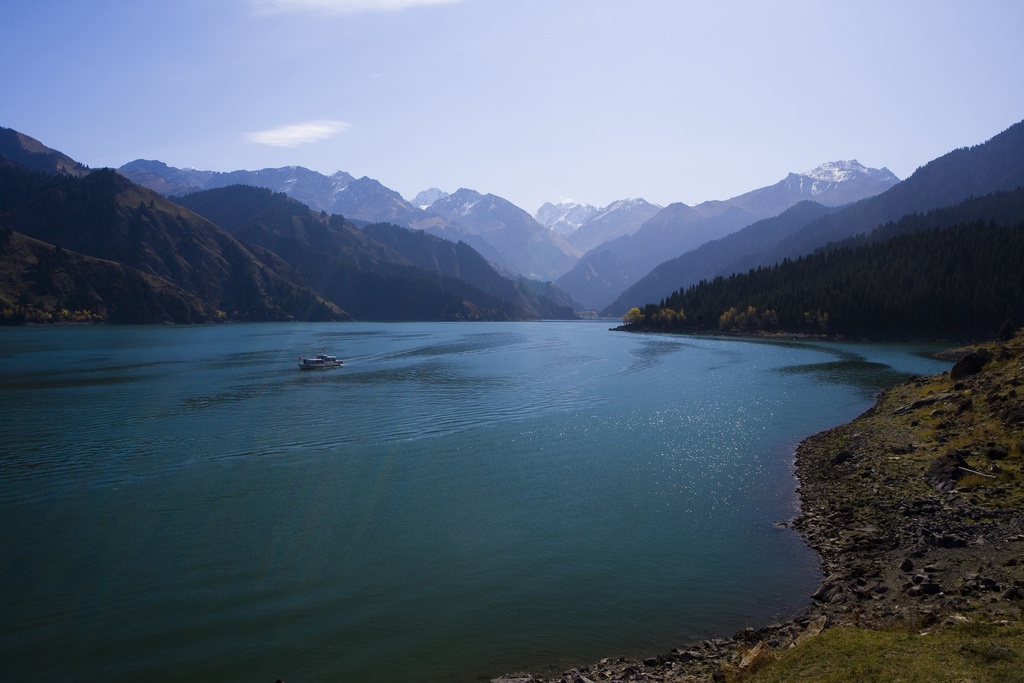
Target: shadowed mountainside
{"points": [[105, 216], [35, 156], [347, 265]]}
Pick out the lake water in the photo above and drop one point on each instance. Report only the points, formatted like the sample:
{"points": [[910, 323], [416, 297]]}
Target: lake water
{"points": [[459, 501]]}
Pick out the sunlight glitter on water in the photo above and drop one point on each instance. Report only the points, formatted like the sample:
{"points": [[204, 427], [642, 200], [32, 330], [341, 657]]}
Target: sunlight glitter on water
{"points": [[459, 500]]}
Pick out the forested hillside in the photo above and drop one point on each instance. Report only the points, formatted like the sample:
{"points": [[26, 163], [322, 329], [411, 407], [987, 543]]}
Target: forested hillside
{"points": [[383, 272], [961, 281], [156, 246], [460, 261]]}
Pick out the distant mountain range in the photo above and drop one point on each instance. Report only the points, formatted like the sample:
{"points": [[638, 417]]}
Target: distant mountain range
{"points": [[995, 165], [127, 254], [527, 245], [564, 218], [586, 226], [613, 265], [362, 199], [500, 231], [624, 253], [325, 249], [618, 243]]}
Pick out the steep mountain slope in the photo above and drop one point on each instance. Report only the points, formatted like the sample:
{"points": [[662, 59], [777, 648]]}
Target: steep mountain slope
{"points": [[623, 217], [679, 228], [997, 164], [428, 197], [959, 280], [462, 262], [676, 229], [234, 208], [365, 200], [595, 277], [106, 216], [309, 187], [368, 200], [43, 283], [34, 155], [531, 248], [566, 217], [834, 183], [961, 173], [1002, 208], [390, 291], [708, 260], [342, 263]]}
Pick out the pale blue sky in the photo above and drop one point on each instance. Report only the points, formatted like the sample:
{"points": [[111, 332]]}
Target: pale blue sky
{"points": [[533, 100]]}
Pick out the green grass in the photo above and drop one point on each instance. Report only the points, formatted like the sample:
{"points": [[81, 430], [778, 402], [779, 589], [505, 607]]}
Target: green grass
{"points": [[969, 652]]}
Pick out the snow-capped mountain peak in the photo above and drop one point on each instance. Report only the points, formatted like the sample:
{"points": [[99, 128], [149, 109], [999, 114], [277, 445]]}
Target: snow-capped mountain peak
{"points": [[565, 217], [845, 171], [428, 197]]}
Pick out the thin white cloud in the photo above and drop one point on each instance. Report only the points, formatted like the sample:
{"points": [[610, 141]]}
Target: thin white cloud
{"points": [[340, 6], [298, 133]]}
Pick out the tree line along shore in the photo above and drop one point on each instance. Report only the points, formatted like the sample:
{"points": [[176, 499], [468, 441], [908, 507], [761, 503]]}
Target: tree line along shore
{"points": [[934, 275]]}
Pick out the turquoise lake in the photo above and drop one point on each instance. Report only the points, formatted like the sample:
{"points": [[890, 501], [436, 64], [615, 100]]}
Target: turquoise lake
{"points": [[459, 501]]}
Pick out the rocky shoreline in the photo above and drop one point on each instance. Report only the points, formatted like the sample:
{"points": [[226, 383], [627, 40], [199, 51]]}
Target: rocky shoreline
{"points": [[916, 508]]}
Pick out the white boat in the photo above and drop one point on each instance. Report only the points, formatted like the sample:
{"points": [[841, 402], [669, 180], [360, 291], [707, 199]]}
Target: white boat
{"points": [[321, 362]]}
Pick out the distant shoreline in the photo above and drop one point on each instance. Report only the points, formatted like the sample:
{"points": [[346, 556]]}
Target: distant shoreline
{"points": [[804, 336]]}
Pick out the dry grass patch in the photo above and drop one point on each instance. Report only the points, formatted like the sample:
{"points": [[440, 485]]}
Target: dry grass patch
{"points": [[968, 652]]}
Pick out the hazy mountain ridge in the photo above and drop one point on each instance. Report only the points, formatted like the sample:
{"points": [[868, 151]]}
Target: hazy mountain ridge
{"points": [[363, 199], [594, 276], [456, 281], [1001, 208], [995, 165], [427, 197], [679, 228], [675, 229], [509, 236], [833, 183], [622, 217], [518, 245], [992, 166], [845, 171], [566, 217], [706, 262], [309, 187], [464, 263], [244, 211], [531, 248]]}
